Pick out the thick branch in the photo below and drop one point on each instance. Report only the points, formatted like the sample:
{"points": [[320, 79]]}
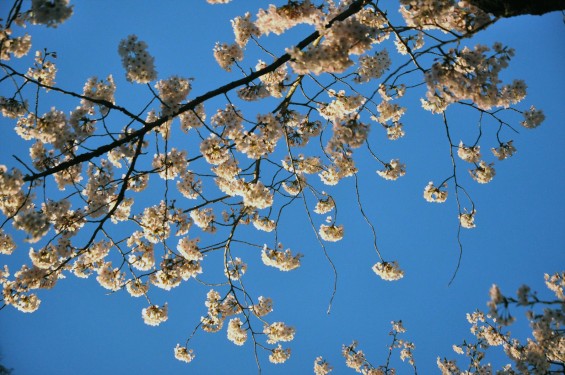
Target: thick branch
{"points": [[512, 8], [355, 7]]}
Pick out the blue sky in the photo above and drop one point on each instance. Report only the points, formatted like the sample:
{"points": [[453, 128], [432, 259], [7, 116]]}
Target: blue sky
{"points": [[520, 234]]}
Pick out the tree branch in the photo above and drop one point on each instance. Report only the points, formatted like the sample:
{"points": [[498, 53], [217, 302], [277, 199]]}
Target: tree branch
{"points": [[512, 8]]}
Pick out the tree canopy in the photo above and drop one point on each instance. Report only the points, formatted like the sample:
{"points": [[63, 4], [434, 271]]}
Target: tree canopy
{"points": [[158, 183]]}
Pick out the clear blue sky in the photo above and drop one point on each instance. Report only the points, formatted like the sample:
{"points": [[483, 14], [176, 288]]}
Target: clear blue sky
{"points": [[520, 233]]}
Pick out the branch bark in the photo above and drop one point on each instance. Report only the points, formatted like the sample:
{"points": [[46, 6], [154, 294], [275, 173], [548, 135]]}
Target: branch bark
{"points": [[513, 8]]}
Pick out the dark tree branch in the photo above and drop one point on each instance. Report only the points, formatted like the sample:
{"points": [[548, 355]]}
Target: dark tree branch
{"points": [[512, 8]]}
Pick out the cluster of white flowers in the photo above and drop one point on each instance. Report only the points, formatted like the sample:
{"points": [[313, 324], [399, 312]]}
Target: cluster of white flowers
{"points": [[252, 93], [189, 249], [226, 54], [295, 187], [278, 331], [279, 355], [321, 366], [331, 233], [32, 222], [7, 244], [192, 118], [556, 283], [12, 108], [471, 74], [354, 358], [393, 170], [283, 260], [204, 219], [394, 132], [213, 150], [138, 63], [434, 194], [460, 16], [11, 184], [371, 67], [264, 307], [172, 92], [154, 315], [483, 173], [273, 81], [244, 29], [332, 54], [235, 269], [533, 118], [467, 220], [264, 223], [278, 20], [96, 89], [341, 106], [256, 145], [236, 333], [44, 258], [389, 271], [302, 165], [257, 195], [189, 186], [181, 352], [471, 154], [505, 150], [43, 71], [142, 256], [412, 43], [171, 164], [539, 354], [50, 12], [324, 205], [156, 227], [110, 278], [18, 46], [136, 288], [218, 311]]}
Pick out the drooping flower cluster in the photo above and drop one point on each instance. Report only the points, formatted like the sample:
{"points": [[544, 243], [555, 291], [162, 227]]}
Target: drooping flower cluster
{"points": [[154, 315], [183, 354], [279, 355], [483, 173], [393, 170], [434, 194], [321, 366], [505, 150], [467, 219], [283, 260], [331, 233], [471, 154], [389, 271]]}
